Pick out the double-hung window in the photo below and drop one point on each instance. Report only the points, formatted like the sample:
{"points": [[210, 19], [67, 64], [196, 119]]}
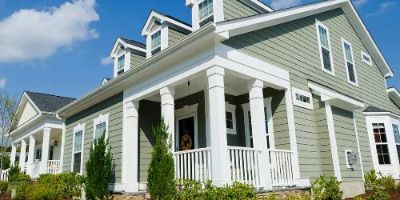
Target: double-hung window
{"points": [[100, 126], [349, 60], [230, 118], [381, 143], [77, 152], [397, 139], [325, 48], [121, 64], [156, 42], [205, 11]]}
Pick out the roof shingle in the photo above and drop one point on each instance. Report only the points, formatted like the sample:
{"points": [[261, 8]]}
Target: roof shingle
{"points": [[48, 102]]}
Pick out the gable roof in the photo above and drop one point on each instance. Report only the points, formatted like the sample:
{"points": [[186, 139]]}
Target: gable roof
{"points": [[133, 42], [47, 102], [136, 47], [155, 15], [394, 95], [240, 26]]}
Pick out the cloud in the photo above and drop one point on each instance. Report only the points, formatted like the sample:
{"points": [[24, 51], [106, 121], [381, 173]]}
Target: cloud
{"points": [[106, 60], [281, 4], [3, 82], [383, 7], [359, 2], [29, 34]]}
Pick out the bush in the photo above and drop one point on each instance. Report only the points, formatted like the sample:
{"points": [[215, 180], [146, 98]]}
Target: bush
{"points": [[3, 186], [5, 162], [161, 183], [378, 186], [326, 189], [16, 176], [65, 185], [98, 169]]}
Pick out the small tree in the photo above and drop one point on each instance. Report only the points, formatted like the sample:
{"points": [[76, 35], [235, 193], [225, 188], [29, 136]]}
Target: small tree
{"points": [[5, 162], [161, 183], [8, 106], [98, 169]]}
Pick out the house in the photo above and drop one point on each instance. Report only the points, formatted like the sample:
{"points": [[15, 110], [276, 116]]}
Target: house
{"points": [[270, 98]]}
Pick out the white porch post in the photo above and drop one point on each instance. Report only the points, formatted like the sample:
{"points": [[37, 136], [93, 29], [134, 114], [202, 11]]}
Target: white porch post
{"points": [[332, 140], [13, 154], [168, 112], [219, 148], [256, 98], [45, 150], [31, 155], [22, 155], [130, 146]]}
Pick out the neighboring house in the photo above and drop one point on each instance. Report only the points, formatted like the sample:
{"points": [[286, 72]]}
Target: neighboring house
{"points": [[270, 98]]}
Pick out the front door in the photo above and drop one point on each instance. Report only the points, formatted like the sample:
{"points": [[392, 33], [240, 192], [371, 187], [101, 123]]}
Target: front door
{"points": [[186, 134]]}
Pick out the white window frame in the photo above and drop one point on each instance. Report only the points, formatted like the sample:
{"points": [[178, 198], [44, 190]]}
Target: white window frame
{"points": [[387, 132], [344, 41], [320, 24], [207, 16], [396, 144], [123, 67], [100, 119], [78, 128], [363, 53], [302, 104], [232, 109], [151, 39]]}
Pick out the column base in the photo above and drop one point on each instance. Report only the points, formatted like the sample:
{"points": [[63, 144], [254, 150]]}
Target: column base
{"points": [[131, 187]]}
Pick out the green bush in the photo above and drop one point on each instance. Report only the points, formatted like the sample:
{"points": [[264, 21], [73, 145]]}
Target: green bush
{"points": [[372, 182], [65, 185], [378, 186], [161, 175], [16, 176], [5, 162], [326, 189], [3, 186]]}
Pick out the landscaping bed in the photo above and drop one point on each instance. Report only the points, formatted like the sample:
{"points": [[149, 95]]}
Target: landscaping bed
{"points": [[392, 196], [5, 196]]}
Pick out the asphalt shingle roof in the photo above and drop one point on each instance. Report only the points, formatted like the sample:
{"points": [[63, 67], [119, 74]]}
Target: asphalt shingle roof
{"points": [[48, 102], [133, 42], [374, 109]]}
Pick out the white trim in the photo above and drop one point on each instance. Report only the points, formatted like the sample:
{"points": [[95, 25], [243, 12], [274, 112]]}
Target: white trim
{"points": [[394, 95], [332, 141], [307, 94], [103, 118], [358, 146], [363, 53], [232, 109], [257, 5], [184, 113], [164, 36], [162, 18], [348, 166], [344, 41], [317, 25], [125, 45], [218, 11], [78, 128]]}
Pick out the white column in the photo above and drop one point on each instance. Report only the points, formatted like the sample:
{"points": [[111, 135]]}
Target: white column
{"points": [[13, 154], [292, 137], [219, 148], [62, 148], [31, 155], [256, 99], [45, 150], [22, 155], [130, 147], [168, 112], [332, 141]]}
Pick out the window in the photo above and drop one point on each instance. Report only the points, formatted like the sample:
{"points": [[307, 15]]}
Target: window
{"points": [[382, 148], [100, 126], [230, 118], [349, 59], [38, 154], [156, 42], [77, 151], [365, 57], [205, 11], [121, 64], [325, 48], [100, 130], [302, 98], [397, 138]]}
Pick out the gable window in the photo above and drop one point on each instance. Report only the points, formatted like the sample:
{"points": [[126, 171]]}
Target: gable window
{"points": [[77, 151], [230, 118], [121, 64], [302, 98], [366, 58], [397, 139], [325, 48], [382, 148], [349, 59], [205, 11], [156, 42], [100, 126]]}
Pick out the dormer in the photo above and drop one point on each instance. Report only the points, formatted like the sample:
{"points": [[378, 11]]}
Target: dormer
{"points": [[127, 54], [162, 31]]}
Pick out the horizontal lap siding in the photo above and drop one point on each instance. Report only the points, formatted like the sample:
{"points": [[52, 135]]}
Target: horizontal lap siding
{"points": [[112, 106], [294, 46], [136, 60], [234, 9], [174, 36]]}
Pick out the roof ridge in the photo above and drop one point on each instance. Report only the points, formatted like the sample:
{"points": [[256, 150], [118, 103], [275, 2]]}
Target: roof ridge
{"points": [[42, 93]]}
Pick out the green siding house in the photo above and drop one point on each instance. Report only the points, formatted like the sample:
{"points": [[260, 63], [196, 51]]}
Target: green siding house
{"points": [[269, 98]]}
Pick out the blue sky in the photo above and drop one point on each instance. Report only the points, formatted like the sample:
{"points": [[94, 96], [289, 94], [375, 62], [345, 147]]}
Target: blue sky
{"points": [[57, 47]]}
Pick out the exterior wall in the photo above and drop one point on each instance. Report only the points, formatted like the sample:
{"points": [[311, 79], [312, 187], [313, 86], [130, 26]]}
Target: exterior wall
{"points": [[113, 106], [28, 113], [136, 60], [234, 9], [294, 46], [174, 36]]}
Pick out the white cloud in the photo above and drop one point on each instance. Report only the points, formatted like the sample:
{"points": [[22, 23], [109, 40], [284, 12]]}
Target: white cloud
{"points": [[383, 7], [30, 34], [106, 60], [3, 82], [359, 2], [281, 4]]}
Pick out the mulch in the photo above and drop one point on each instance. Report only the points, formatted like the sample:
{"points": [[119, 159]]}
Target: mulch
{"points": [[392, 196], [5, 196]]}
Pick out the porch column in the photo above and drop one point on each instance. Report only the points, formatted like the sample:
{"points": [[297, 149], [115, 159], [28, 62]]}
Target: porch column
{"points": [[13, 154], [168, 112], [219, 148], [256, 99], [45, 150], [332, 140], [130, 146], [31, 155], [22, 155]]}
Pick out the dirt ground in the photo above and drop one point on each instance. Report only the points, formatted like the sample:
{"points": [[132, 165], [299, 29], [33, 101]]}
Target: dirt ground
{"points": [[392, 196]]}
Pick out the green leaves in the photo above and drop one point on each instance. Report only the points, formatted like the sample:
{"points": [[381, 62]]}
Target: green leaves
{"points": [[326, 189]]}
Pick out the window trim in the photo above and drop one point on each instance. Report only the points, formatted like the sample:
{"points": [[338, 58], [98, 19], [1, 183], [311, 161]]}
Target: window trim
{"points": [[158, 30], [123, 67], [344, 41], [305, 93], [394, 137], [209, 15], [231, 108], [320, 24], [382, 143], [363, 53], [78, 128], [98, 120]]}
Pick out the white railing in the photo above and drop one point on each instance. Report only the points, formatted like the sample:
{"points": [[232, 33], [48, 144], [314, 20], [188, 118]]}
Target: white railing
{"points": [[4, 175], [244, 165], [53, 166], [35, 169], [193, 164], [281, 167]]}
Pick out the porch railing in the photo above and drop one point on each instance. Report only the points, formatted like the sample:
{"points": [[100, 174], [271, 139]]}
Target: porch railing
{"points": [[281, 167], [193, 164], [53, 166], [244, 165], [4, 175]]}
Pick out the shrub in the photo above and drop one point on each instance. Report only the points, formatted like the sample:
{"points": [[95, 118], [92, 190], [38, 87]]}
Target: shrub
{"points": [[3, 186], [98, 169], [161, 183], [189, 189], [240, 191], [16, 176], [65, 185], [272, 196], [378, 186], [372, 182], [326, 189], [294, 196], [5, 162]]}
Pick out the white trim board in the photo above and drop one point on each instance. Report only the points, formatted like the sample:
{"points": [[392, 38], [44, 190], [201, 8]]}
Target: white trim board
{"points": [[186, 112], [154, 15]]}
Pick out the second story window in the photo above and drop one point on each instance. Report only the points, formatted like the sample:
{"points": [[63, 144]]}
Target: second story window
{"points": [[156, 42], [205, 11], [349, 59], [325, 48], [120, 64]]}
